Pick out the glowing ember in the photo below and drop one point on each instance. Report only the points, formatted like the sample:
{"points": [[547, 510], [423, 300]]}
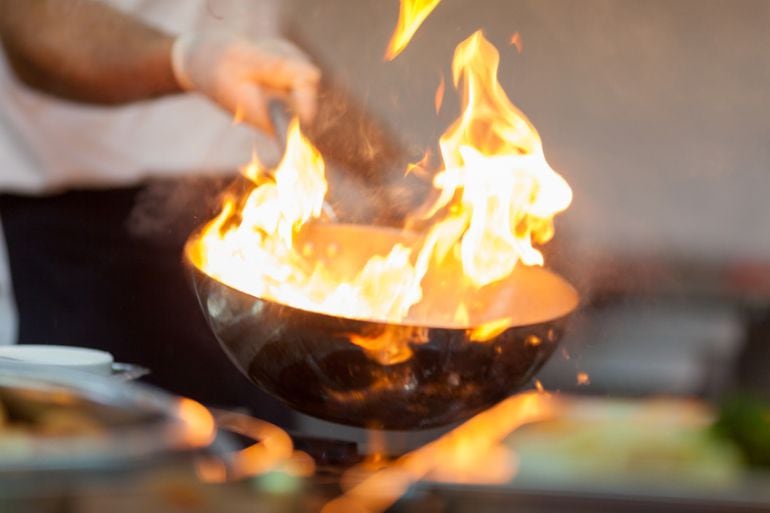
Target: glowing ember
{"points": [[411, 16], [533, 341], [496, 197], [517, 42]]}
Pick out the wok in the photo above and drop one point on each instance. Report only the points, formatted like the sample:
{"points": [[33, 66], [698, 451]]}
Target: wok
{"points": [[306, 358]]}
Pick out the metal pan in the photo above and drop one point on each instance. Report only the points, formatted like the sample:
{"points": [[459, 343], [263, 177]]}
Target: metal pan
{"points": [[307, 358]]}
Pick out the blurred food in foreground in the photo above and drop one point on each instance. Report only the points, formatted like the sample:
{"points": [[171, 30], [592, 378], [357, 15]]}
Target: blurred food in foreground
{"points": [[652, 441], [21, 423], [745, 420]]}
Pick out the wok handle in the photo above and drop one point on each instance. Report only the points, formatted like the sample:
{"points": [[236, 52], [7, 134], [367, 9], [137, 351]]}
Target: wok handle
{"points": [[280, 117], [273, 450]]}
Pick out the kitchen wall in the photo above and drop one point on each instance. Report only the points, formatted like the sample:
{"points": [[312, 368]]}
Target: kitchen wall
{"points": [[657, 112]]}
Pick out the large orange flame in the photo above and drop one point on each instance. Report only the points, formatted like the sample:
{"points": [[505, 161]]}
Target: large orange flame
{"points": [[502, 192], [250, 245], [496, 199], [411, 16], [470, 453]]}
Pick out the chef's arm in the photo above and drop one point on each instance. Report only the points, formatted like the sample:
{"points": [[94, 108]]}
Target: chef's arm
{"points": [[84, 50]]}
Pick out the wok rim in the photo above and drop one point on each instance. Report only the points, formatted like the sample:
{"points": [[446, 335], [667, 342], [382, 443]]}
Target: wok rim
{"points": [[195, 238]]}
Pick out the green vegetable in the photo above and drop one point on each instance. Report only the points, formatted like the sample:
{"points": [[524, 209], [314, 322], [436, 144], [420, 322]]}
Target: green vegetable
{"points": [[745, 420]]}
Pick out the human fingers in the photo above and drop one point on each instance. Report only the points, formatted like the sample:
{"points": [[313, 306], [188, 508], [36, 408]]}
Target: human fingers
{"points": [[278, 66], [304, 100], [251, 103]]}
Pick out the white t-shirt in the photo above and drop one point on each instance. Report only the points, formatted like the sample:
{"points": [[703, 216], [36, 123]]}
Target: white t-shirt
{"points": [[48, 144]]}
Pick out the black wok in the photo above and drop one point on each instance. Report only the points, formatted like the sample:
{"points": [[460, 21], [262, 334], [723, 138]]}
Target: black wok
{"points": [[307, 359]]}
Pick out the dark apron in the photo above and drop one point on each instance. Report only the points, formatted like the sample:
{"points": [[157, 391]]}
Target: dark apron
{"points": [[103, 269]]}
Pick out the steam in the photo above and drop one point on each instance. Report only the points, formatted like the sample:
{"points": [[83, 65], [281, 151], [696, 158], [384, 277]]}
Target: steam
{"points": [[169, 210]]}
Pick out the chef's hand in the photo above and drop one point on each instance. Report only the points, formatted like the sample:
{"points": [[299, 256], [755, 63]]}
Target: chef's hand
{"points": [[241, 74]]}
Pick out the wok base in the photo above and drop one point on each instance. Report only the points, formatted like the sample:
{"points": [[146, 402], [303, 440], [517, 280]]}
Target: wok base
{"points": [[445, 381]]}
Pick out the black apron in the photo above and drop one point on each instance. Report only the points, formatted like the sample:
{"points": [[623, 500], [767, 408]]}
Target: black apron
{"points": [[103, 269]]}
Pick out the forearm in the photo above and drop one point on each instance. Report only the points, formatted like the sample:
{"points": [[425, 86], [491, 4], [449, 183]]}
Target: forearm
{"points": [[83, 50]]}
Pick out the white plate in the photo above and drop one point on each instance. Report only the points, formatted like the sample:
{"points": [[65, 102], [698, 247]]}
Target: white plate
{"points": [[74, 358]]}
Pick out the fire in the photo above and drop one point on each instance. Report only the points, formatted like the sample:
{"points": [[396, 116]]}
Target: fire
{"points": [[391, 346], [420, 169], [410, 17], [489, 330], [495, 199], [438, 99], [250, 245], [471, 453], [508, 194]]}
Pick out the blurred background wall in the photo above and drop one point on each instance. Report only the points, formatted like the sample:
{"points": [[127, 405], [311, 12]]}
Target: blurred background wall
{"points": [[656, 112]]}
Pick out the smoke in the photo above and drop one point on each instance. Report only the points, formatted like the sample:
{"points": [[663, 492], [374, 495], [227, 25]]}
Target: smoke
{"points": [[167, 211]]}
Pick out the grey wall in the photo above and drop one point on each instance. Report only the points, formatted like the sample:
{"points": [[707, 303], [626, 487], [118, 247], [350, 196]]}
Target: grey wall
{"points": [[656, 111]]}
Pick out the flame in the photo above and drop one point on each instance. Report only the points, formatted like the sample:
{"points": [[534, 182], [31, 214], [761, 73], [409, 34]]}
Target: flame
{"points": [[438, 99], [583, 378], [471, 453], [489, 330], [251, 245], [420, 169], [508, 194], [494, 199], [410, 17], [392, 345]]}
